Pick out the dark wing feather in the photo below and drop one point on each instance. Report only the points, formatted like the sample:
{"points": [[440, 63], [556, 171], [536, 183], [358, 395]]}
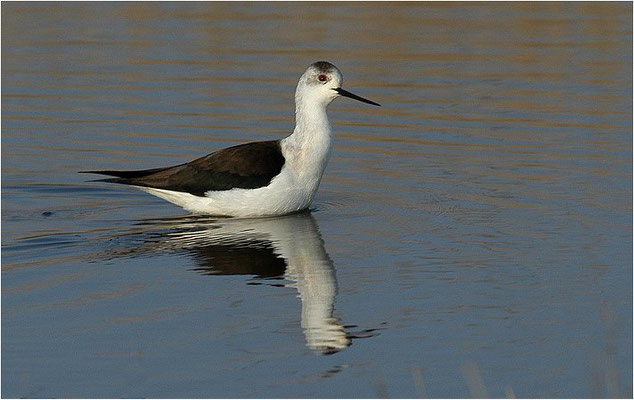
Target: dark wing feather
{"points": [[246, 166]]}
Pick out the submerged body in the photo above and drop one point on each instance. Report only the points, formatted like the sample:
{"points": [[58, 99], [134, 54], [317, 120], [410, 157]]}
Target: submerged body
{"points": [[259, 178], [291, 190]]}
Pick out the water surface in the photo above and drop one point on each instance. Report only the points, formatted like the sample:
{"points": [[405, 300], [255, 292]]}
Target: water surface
{"points": [[472, 237]]}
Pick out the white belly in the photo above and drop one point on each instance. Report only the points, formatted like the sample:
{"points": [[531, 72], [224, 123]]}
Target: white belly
{"points": [[286, 193]]}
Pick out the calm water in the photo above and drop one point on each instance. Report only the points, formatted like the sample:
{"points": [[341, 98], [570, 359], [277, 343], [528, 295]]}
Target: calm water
{"points": [[472, 237]]}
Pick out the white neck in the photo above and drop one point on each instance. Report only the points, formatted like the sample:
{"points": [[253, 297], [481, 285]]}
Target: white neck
{"points": [[310, 115], [308, 147]]}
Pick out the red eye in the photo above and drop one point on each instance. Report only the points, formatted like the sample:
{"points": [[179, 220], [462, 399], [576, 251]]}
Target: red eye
{"points": [[322, 78]]}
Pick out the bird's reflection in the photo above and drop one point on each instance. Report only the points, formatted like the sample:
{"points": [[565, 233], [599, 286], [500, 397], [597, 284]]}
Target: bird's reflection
{"points": [[287, 248]]}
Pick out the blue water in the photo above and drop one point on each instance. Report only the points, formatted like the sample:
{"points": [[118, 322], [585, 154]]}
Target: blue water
{"points": [[470, 238]]}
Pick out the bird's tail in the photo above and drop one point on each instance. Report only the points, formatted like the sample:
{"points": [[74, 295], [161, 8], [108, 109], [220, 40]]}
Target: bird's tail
{"points": [[125, 177]]}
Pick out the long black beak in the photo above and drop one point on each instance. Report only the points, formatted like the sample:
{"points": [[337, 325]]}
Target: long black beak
{"points": [[354, 96]]}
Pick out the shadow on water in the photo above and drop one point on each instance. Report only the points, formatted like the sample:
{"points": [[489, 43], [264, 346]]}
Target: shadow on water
{"points": [[283, 251]]}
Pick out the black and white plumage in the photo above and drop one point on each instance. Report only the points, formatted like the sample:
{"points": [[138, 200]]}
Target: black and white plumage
{"points": [[260, 178], [246, 166]]}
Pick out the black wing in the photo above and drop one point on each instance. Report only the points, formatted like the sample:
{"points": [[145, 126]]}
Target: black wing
{"points": [[246, 166]]}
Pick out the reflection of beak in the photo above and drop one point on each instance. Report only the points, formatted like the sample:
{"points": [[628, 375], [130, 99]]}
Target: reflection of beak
{"points": [[354, 96]]}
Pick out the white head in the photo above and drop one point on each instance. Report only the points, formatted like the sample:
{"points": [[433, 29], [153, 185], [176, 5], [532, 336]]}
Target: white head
{"points": [[321, 84]]}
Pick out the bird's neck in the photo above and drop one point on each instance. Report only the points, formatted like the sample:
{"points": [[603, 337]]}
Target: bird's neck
{"points": [[308, 147], [310, 119], [312, 132]]}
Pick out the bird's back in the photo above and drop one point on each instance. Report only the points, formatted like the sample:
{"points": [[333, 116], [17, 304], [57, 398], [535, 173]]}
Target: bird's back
{"points": [[245, 166]]}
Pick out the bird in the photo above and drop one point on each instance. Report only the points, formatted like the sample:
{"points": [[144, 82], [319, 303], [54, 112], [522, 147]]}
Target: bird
{"points": [[256, 179]]}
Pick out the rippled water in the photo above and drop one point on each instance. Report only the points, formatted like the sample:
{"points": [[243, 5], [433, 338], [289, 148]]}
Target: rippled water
{"points": [[472, 237]]}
